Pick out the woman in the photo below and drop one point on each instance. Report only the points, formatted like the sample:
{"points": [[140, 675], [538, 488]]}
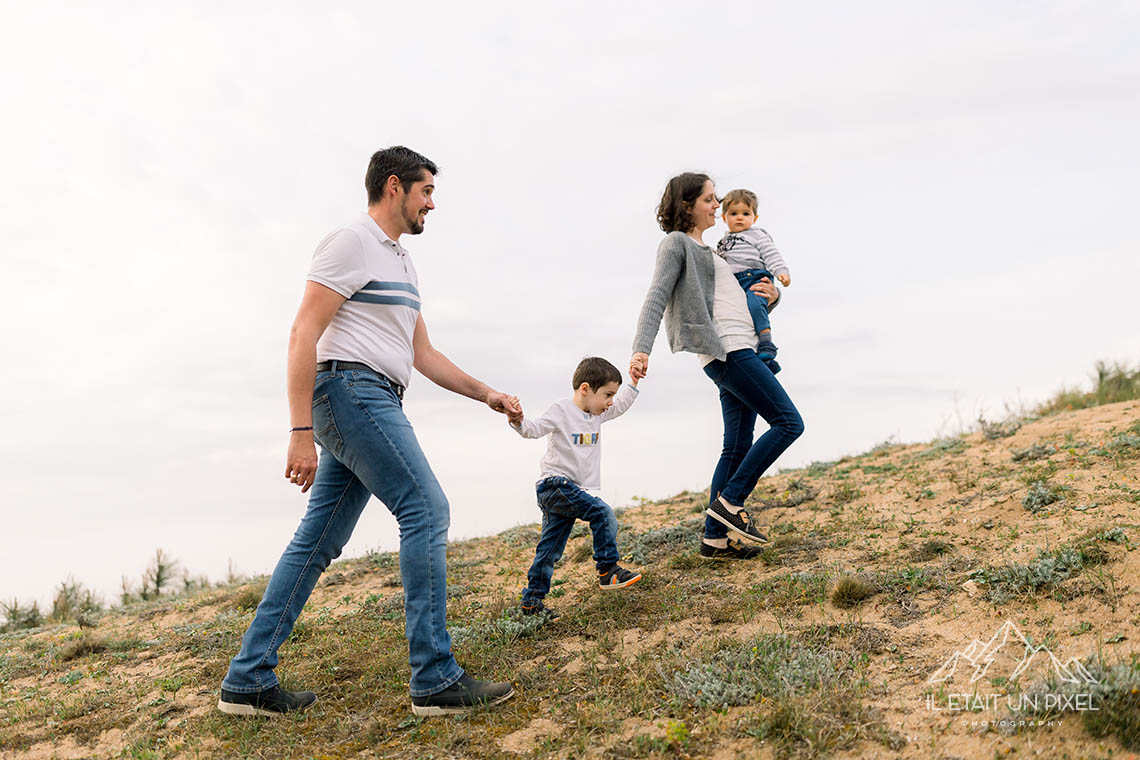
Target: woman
{"points": [[707, 314]]}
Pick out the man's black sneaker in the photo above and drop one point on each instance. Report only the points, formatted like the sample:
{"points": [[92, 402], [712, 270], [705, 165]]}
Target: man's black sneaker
{"points": [[269, 702], [734, 550], [538, 608], [617, 577], [462, 696], [740, 523]]}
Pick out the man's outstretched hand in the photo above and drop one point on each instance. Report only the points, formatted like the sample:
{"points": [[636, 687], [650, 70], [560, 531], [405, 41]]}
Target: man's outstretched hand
{"points": [[504, 404]]}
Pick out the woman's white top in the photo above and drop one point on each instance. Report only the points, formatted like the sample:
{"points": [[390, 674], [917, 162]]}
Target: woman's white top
{"points": [[730, 312]]}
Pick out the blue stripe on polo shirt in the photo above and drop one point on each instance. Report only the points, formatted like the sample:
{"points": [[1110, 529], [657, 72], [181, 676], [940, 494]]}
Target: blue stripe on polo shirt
{"points": [[389, 300], [407, 287]]}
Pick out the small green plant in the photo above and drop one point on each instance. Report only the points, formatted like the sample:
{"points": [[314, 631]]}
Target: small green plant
{"points": [[1041, 495], [942, 447], [677, 733], [851, 591], [1034, 452], [994, 430], [82, 647], [930, 549], [846, 492], [170, 685]]}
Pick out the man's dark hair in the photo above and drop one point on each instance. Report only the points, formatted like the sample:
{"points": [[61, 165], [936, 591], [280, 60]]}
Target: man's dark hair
{"points": [[596, 372], [405, 163], [675, 212]]}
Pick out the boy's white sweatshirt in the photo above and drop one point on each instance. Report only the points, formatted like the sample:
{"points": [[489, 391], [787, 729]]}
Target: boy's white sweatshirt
{"points": [[575, 448]]}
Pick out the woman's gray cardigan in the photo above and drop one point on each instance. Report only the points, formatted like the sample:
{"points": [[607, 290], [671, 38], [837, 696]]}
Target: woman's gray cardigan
{"points": [[682, 290]]}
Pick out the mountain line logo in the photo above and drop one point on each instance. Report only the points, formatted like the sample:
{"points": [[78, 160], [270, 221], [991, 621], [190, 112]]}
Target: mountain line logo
{"points": [[1008, 640]]}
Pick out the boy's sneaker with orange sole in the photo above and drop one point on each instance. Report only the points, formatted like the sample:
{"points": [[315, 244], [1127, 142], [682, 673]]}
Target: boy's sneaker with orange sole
{"points": [[617, 577]]}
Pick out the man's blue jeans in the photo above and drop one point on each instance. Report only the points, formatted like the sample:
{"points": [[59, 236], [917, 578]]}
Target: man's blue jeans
{"points": [[563, 502], [757, 304], [747, 389], [367, 448]]}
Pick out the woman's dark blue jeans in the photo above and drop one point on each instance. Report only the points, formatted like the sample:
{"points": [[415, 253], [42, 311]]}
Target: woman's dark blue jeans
{"points": [[747, 389]]}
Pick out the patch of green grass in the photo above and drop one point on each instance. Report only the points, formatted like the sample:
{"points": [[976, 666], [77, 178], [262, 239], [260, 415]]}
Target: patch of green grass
{"points": [[248, 596], [792, 589], [909, 580], [1034, 452], [509, 625], [1111, 383], [942, 447], [1042, 494], [520, 535], [851, 591], [1126, 444], [819, 468], [930, 549], [795, 494], [810, 693], [994, 430], [1049, 568], [81, 648], [846, 492], [641, 548], [1115, 700]]}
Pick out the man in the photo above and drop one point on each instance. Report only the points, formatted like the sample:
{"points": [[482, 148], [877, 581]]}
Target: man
{"points": [[355, 340]]}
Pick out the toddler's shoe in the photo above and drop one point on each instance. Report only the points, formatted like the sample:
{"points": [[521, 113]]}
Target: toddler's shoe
{"points": [[538, 608], [767, 352], [617, 577]]}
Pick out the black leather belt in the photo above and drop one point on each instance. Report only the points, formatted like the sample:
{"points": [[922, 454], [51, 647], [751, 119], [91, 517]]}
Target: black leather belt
{"points": [[335, 364]]}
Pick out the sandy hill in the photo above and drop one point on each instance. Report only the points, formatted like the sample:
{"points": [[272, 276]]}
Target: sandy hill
{"points": [[882, 569]]}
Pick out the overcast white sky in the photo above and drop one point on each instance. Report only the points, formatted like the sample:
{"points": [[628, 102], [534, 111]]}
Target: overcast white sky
{"points": [[953, 186]]}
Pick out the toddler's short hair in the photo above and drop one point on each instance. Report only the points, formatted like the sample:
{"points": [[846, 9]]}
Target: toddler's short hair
{"points": [[739, 196], [596, 372]]}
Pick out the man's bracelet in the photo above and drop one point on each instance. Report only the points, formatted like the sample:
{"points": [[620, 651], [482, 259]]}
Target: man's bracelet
{"points": [[299, 429]]}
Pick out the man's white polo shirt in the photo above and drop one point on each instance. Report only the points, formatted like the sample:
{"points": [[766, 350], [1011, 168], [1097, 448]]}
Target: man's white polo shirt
{"points": [[375, 325]]}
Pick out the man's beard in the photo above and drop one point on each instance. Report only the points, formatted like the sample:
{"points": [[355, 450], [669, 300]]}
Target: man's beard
{"points": [[415, 224]]}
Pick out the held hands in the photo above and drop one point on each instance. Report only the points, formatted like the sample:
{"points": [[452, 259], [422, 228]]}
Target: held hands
{"points": [[508, 405], [516, 419], [301, 461], [638, 366], [785, 279]]}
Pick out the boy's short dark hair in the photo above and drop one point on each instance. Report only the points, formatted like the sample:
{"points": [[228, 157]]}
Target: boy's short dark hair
{"points": [[405, 163], [746, 197], [596, 372]]}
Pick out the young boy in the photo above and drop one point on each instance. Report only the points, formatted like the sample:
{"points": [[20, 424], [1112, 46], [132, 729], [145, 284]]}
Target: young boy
{"points": [[570, 467], [752, 255]]}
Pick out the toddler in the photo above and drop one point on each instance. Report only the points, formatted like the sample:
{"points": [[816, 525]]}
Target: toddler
{"points": [[569, 469], [752, 255]]}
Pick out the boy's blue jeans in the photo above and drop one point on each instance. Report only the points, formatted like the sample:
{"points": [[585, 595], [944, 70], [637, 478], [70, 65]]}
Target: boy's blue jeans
{"points": [[367, 448], [563, 502], [757, 304], [747, 389]]}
